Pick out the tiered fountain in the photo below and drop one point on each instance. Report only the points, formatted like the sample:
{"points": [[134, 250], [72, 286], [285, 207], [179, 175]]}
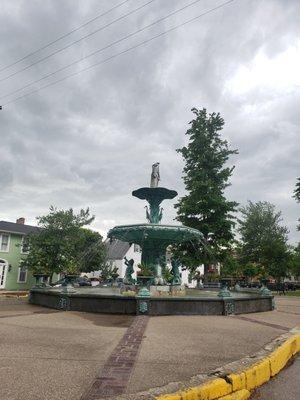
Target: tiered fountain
{"points": [[153, 237]]}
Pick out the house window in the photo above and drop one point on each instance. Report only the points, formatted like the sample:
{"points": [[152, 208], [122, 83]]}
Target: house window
{"points": [[24, 245], [4, 242], [22, 276]]}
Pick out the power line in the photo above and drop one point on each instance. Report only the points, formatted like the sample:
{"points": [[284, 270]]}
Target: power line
{"points": [[77, 41], [103, 48], [65, 35], [122, 52]]}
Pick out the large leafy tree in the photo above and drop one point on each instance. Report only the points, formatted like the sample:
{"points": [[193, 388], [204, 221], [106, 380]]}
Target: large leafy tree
{"points": [[264, 239], [297, 190], [294, 265], [231, 267], [206, 175], [63, 245], [90, 251], [297, 195]]}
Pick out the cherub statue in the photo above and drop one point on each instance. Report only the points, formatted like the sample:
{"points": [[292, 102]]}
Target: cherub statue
{"points": [[176, 280], [128, 279]]}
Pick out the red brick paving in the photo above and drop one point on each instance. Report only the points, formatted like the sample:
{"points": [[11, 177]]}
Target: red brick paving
{"points": [[117, 370], [256, 321]]}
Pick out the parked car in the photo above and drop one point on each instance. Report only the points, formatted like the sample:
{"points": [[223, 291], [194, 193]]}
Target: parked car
{"points": [[95, 281], [83, 281], [107, 282]]}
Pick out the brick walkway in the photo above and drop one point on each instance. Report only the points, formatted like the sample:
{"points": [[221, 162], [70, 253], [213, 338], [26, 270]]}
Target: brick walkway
{"points": [[276, 326], [117, 370]]}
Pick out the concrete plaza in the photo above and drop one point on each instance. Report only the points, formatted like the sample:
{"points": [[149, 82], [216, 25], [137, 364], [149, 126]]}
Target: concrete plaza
{"points": [[49, 354]]}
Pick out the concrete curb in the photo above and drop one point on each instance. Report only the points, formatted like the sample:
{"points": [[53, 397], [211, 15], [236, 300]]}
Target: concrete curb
{"points": [[238, 386]]}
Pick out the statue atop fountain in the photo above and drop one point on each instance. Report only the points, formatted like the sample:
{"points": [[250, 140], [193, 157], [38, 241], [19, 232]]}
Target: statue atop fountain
{"points": [[155, 177]]}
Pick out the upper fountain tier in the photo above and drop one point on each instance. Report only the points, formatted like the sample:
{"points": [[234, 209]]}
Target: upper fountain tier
{"points": [[154, 237], [154, 195]]}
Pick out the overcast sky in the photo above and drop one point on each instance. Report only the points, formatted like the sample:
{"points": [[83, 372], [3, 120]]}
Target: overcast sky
{"points": [[91, 140]]}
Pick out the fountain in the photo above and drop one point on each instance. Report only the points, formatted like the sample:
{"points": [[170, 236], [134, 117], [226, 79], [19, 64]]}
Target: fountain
{"points": [[155, 295], [153, 237]]}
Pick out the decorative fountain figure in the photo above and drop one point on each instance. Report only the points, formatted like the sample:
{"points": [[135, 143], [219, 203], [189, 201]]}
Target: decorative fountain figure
{"points": [[128, 279], [176, 280], [152, 237]]}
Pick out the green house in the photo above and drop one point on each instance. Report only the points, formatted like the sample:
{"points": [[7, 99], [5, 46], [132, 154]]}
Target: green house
{"points": [[12, 251]]}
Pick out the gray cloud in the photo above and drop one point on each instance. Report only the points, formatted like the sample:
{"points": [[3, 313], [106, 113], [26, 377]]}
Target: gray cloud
{"points": [[91, 140]]}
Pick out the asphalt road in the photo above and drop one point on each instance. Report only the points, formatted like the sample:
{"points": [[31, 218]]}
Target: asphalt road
{"points": [[285, 385]]}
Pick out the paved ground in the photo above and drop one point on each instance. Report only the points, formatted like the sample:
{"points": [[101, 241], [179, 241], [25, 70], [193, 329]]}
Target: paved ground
{"points": [[285, 386], [46, 354], [50, 355]]}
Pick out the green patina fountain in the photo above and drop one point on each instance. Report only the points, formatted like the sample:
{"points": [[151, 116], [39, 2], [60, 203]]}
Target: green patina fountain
{"points": [[156, 279], [153, 237]]}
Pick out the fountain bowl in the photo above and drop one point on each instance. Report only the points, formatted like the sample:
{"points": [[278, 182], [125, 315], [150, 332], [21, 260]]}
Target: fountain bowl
{"points": [[139, 233], [113, 302]]}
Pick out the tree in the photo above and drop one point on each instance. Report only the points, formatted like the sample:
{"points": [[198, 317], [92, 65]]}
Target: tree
{"points": [[62, 245], [91, 252], [264, 239], [250, 270], [297, 191], [206, 176], [294, 265], [231, 267], [297, 196], [108, 272]]}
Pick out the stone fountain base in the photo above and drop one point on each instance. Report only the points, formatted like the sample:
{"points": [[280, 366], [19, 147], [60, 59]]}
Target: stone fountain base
{"points": [[151, 305]]}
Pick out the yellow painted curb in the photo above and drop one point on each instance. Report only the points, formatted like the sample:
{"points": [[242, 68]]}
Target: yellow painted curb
{"points": [[237, 386], [243, 394], [211, 390]]}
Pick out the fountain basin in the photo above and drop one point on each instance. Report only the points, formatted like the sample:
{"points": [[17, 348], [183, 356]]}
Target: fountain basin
{"points": [[141, 233], [89, 300]]}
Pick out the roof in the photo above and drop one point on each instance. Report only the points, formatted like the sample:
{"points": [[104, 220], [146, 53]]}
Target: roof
{"points": [[116, 249], [20, 229]]}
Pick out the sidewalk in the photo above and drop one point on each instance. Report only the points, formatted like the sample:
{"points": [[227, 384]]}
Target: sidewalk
{"points": [[47, 354]]}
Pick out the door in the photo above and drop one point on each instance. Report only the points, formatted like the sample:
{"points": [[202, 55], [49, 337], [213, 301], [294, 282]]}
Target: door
{"points": [[3, 271]]}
